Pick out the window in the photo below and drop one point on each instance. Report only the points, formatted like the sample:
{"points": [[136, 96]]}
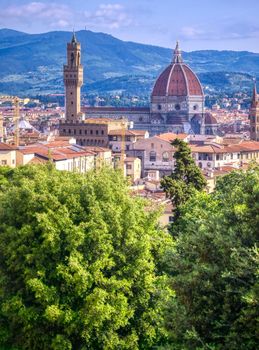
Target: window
{"points": [[152, 145], [152, 156], [128, 166], [75, 132], [159, 107], [200, 165], [4, 162], [69, 131], [85, 132], [171, 218], [140, 119], [91, 132], [165, 157], [177, 107], [72, 102], [96, 132], [102, 132]]}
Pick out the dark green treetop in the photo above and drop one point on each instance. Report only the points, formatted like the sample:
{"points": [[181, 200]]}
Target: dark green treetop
{"points": [[214, 267], [185, 178]]}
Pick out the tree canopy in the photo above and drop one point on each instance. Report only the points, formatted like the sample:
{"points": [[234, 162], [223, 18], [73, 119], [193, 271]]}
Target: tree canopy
{"points": [[214, 267], [185, 178], [79, 262]]}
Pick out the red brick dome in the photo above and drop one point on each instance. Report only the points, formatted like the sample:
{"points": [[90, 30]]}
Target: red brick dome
{"points": [[210, 119], [177, 79]]}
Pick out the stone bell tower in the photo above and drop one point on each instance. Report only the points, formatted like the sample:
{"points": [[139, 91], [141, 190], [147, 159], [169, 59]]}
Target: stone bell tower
{"points": [[73, 80], [254, 116]]}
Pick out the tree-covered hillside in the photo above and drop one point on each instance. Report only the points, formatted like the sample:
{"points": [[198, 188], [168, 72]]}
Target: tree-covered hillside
{"points": [[32, 64]]}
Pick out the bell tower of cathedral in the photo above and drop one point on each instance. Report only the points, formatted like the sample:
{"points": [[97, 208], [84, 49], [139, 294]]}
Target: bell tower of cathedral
{"points": [[73, 80], [254, 116]]}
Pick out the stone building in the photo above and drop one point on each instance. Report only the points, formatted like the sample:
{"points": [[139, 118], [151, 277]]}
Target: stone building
{"points": [[7, 155], [177, 103]]}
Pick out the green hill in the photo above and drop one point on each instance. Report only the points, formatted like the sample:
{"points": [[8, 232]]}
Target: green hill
{"points": [[32, 64]]}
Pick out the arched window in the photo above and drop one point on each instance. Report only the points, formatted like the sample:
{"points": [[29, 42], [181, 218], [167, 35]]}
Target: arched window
{"points": [[152, 156], [165, 157], [200, 165], [72, 59]]}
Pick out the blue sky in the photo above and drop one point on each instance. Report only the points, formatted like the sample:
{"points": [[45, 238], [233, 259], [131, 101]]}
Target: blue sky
{"points": [[198, 24]]}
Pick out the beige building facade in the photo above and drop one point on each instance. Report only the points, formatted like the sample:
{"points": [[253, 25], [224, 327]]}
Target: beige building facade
{"points": [[7, 155], [132, 168]]}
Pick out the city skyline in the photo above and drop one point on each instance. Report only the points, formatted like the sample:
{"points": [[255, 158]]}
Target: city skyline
{"points": [[230, 25]]}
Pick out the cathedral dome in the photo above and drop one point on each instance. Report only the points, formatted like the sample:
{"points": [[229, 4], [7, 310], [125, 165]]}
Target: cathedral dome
{"points": [[177, 79], [210, 119]]}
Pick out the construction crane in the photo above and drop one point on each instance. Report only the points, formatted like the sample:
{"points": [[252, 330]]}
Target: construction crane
{"points": [[16, 121], [16, 117], [124, 124], [1, 127]]}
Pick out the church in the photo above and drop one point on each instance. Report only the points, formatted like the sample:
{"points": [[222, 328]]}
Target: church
{"points": [[177, 101]]}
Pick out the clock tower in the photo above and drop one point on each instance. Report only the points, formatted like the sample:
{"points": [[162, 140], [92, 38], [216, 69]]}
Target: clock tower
{"points": [[73, 80]]}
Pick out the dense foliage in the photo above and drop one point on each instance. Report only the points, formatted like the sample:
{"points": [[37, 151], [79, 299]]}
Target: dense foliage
{"points": [[185, 178], [79, 262], [215, 266], [83, 265]]}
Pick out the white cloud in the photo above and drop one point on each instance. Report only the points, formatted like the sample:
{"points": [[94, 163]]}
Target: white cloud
{"points": [[58, 16], [191, 32], [220, 31], [113, 16]]}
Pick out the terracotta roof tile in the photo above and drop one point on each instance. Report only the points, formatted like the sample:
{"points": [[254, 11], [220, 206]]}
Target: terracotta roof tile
{"points": [[177, 80], [169, 136], [6, 147]]}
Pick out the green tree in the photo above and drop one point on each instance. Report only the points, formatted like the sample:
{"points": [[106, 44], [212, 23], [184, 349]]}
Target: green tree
{"points": [[185, 178], [214, 268], [79, 262]]}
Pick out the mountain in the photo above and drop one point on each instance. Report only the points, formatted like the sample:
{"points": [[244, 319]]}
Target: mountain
{"points": [[32, 64]]}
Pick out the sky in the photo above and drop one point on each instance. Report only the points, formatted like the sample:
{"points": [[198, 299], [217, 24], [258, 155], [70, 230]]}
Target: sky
{"points": [[197, 24]]}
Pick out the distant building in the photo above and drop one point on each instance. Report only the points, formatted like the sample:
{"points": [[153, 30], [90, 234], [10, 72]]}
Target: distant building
{"points": [[132, 168], [7, 155], [177, 103], [63, 154], [130, 137]]}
